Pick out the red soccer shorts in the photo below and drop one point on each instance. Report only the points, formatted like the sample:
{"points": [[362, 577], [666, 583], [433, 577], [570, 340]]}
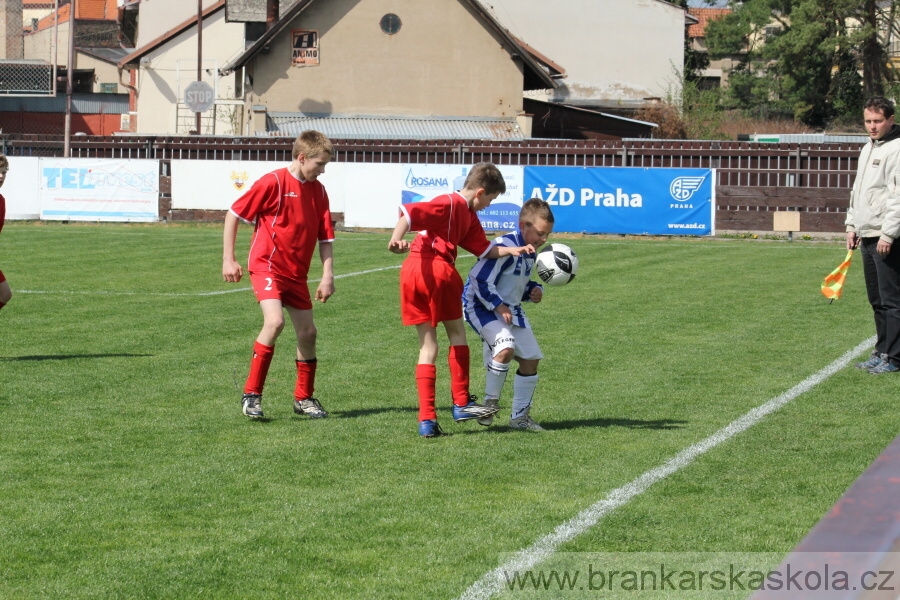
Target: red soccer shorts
{"points": [[2, 277], [269, 286], [430, 291]]}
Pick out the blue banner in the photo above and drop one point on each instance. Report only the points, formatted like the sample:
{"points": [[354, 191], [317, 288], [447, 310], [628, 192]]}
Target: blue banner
{"points": [[626, 200]]}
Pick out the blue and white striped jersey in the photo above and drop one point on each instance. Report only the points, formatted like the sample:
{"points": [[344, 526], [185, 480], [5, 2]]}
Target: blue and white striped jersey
{"points": [[493, 282]]}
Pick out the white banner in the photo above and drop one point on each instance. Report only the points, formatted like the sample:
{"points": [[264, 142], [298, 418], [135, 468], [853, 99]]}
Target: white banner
{"points": [[21, 181], [216, 184], [86, 189]]}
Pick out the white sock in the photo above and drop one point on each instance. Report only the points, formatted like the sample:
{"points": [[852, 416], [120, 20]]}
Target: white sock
{"points": [[496, 377], [523, 394]]}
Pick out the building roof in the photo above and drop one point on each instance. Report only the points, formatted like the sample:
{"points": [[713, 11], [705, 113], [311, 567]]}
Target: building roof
{"points": [[135, 57], [554, 69], [512, 46], [103, 10], [704, 16], [564, 121], [372, 127], [109, 55]]}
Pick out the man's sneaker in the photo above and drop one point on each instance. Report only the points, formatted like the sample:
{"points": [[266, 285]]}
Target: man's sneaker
{"points": [[885, 366], [250, 406], [876, 359], [310, 407], [473, 410], [489, 403], [525, 422], [429, 428]]}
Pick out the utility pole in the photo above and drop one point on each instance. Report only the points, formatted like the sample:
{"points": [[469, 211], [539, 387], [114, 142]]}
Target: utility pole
{"points": [[199, 52], [70, 67]]}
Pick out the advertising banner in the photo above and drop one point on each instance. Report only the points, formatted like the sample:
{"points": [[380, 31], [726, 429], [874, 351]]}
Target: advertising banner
{"points": [[626, 200], [424, 182], [22, 180], [85, 189], [214, 184]]}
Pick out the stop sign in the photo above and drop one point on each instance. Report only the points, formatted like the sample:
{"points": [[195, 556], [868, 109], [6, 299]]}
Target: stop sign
{"points": [[199, 96]]}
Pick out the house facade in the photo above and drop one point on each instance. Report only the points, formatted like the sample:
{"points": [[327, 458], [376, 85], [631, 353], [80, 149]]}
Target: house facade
{"points": [[160, 69], [716, 74], [408, 59]]}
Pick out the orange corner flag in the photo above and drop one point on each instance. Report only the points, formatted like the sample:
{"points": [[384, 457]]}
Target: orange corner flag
{"points": [[834, 283]]}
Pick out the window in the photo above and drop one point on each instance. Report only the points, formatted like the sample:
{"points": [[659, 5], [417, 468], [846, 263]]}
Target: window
{"points": [[390, 23]]}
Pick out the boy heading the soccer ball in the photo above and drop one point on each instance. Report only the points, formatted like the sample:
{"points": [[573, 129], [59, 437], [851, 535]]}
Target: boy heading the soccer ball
{"points": [[492, 303]]}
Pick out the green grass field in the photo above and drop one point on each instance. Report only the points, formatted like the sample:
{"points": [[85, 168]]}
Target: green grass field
{"points": [[128, 471]]}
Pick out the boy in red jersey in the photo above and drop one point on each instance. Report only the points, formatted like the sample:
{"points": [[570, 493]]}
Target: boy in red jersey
{"points": [[290, 210], [5, 292], [431, 288]]}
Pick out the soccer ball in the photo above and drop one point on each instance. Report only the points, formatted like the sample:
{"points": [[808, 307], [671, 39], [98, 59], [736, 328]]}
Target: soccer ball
{"points": [[556, 264]]}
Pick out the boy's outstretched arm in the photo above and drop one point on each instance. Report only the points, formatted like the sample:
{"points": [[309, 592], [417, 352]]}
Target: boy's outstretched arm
{"points": [[326, 286], [231, 270], [398, 245], [501, 251]]}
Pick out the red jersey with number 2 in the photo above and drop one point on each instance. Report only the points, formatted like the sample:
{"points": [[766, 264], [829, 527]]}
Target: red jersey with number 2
{"points": [[291, 216]]}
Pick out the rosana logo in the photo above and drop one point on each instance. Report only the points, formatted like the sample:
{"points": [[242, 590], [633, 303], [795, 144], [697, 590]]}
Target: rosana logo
{"points": [[587, 197], [683, 188], [412, 181]]}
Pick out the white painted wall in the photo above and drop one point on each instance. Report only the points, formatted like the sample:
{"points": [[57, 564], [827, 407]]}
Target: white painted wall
{"points": [[166, 71], [615, 52]]}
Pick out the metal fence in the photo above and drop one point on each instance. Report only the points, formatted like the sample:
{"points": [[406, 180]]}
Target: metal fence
{"points": [[28, 49], [738, 164]]}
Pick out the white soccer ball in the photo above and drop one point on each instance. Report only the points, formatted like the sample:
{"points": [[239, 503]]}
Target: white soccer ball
{"points": [[556, 264]]}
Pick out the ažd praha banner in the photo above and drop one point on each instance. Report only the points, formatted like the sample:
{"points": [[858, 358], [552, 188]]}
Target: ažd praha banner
{"points": [[626, 200], [83, 189]]}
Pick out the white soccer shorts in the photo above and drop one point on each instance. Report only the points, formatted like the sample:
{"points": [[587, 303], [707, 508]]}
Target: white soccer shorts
{"points": [[498, 336]]}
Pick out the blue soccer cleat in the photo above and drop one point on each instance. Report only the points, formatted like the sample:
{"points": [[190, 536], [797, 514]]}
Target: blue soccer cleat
{"points": [[429, 428], [473, 410]]}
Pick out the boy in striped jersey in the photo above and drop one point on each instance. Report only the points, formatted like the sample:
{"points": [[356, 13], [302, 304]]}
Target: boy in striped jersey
{"points": [[492, 303]]}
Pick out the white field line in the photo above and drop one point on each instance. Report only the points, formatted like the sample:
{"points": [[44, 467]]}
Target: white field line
{"points": [[184, 294], [494, 581]]}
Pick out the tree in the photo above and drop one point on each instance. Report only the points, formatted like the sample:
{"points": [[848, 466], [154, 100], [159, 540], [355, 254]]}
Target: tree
{"points": [[803, 57]]}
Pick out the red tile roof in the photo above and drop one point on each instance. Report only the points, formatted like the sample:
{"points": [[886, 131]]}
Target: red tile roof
{"points": [[103, 10], [704, 16], [88, 10]]}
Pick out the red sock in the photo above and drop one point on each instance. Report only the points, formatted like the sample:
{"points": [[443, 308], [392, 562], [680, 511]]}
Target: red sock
{"points": [[306, 379], [458, 360], [425, 378], [259, 368]]}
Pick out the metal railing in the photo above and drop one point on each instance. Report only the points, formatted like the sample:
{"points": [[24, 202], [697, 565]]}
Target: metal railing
{"points": [[748, 164]]}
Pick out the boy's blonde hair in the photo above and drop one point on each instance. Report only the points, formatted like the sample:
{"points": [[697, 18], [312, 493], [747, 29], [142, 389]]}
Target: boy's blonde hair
{"points": [[536, 208], [4, 163], [312, 143], [486, 175]]}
